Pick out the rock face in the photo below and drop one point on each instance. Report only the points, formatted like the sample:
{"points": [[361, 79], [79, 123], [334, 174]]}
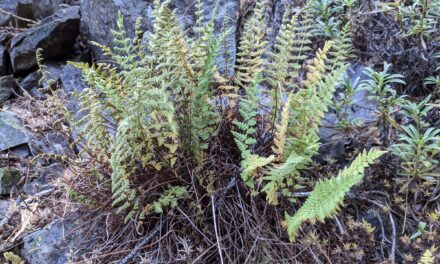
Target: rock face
{"points": [[4, 207], [54, 243], [11, 134], [98, 30], [56, 35], [8, 179], [334, 142], [7, 88], [3, 64], [107, 10], [44, 176]]}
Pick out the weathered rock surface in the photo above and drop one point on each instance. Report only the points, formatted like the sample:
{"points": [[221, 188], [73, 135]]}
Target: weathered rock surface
{"points": [[3, 67], [55, 243], [19, 8], [49, 143], [4, 207], [11, 132], [334, 141], [7, 88], [98, 30], [107, 10], [8, 179], [56, 35], [30, 83], [47, 174]]}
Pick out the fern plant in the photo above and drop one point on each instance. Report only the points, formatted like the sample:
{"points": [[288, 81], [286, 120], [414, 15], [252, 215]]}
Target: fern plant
{"points": [[298, 105], [328, 194], [152, 102]]}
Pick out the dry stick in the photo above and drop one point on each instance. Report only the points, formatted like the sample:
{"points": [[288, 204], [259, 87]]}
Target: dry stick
{"points": [[216, 231], [142, 243], [18, 17], [393, 248]]}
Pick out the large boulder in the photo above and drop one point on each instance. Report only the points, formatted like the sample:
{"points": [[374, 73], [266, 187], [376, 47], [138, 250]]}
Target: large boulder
{"points": [[7, 87], [11, 132], [9, 177], [56, 35]]}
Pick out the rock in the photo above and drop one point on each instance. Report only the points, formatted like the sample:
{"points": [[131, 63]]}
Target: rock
{"points": [[56, 242], [334, 141], [98, 30], [47, 174], [30, 84], [3, 67], [7, 87], [9, 6], [45, 8], [50, 143], [21, 151], [107, 10], [8, 179], [72, 82], [227, 10], [4, 207], [11, 132], [53, 70], [20, 8], [56, 35]]}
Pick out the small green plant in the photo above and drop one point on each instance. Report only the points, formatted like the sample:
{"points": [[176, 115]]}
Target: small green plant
{"points": [[381, 91], [344, 103], [435, 80], [418, 143], [417, 150]]}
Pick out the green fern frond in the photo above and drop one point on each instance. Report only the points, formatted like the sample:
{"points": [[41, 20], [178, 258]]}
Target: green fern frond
{"points": [[251, 47], [328, 194]]}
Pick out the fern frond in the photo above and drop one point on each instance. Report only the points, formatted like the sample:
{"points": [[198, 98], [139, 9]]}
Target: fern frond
{"points": [[428, 256], [328, 194], [281, 130], [251, 47]]}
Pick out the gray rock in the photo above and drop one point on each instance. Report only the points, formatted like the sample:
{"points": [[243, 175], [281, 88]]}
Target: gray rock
{"points": [[4, 207], [11, 132], [98, 30], [55, 242], [3, 67], [226, 17], [47, 174], [20, 8], [56, 35], [7, 87], [30, 84], [9, 6], [21, 151], [107, 10], [45, 8], [9, 177], [334, 141], [49, 143], [73, 83]]}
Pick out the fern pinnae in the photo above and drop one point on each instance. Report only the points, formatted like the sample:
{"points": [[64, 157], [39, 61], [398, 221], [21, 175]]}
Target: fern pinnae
{"points": [[328, 194]]}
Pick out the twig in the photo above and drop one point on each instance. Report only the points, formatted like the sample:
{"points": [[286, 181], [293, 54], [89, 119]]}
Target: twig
{"points": [[142, 243], [216, 231], [393, 247], [340, 227], [19, 17]]}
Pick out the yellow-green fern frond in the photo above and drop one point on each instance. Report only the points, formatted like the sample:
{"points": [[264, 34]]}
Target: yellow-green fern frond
{"points": [[329, 194], [428, 256], [251, 47], [281, 130]]}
